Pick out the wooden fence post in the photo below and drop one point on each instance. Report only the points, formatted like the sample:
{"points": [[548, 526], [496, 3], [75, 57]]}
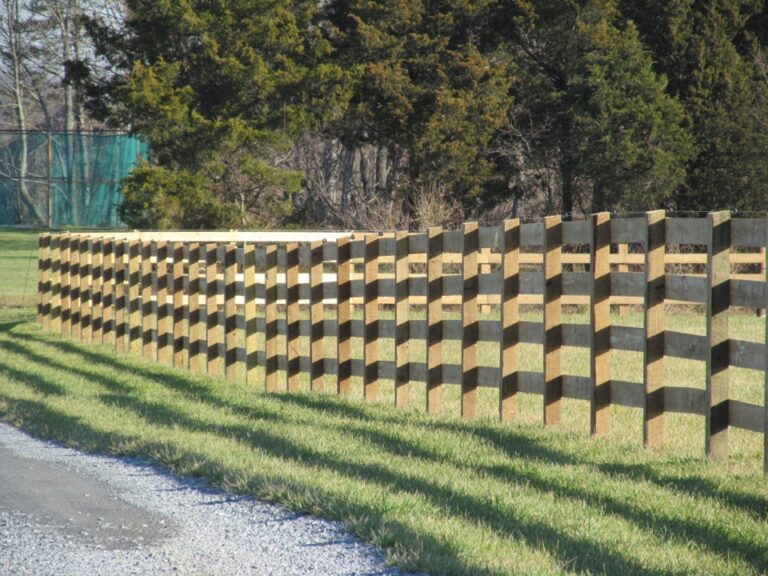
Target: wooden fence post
{"points": [[469, 334], [147, 317], [66, 311], [43, 283], [292, 316], [343, 315], [86, 310], [134, 293], [434, 320], [96, 290], [251, 332], [510, 318], [402, 323], [270, 337], [718, 361], [230, 310], [371, 317], [195, 331], [108, 288], [74, 286], [56, 282], [121, 324], [316, 317], [177, 253], [600, 319], [653, 354], [164, 344], [553, 337], [213, 328]]}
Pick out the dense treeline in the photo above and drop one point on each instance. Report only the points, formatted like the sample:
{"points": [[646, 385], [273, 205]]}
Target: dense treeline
{"points": [[381, 113]]}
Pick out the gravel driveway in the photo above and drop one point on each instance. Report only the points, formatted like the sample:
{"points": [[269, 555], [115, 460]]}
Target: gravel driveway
{"points": [[63, 512]]}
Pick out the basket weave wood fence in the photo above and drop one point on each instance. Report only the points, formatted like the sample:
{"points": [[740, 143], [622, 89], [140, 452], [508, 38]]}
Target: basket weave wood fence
{"points": [[232, 302]]}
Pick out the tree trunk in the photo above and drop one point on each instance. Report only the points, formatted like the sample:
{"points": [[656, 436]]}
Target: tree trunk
{"points": [[348, 171], [69, 120], [14, 44], [85, 187], [567, 176]]}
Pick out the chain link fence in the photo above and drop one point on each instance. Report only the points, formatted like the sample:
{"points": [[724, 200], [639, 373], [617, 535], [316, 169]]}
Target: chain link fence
{"points": [[55, 179]]}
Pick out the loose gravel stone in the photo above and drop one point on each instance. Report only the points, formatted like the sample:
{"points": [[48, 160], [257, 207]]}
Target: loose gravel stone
{"points": [[64, 513]]}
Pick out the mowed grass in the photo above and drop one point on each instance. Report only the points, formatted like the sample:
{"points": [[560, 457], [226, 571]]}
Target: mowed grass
{"points": [[18, 267], [439, 494]]}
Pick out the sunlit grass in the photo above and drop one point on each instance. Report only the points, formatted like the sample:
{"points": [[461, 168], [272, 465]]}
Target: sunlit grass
{"points": [[442, 495], [18, 265]]}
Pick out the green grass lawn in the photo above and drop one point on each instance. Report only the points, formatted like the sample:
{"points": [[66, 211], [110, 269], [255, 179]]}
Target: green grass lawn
{"points": [[441, 495], [18, 267]]}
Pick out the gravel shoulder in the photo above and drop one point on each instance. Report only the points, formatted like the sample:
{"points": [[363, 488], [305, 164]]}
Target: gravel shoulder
{"points": [[63, 512]]}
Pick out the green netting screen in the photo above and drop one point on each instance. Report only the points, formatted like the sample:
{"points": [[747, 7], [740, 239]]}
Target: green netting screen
{"points": [[58, 179]]}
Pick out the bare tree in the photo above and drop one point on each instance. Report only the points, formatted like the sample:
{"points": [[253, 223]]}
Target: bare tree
{"points": [[13, 51], [349, 187]]}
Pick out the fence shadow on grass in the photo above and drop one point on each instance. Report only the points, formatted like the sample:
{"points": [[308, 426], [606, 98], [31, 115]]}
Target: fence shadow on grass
{"points": [[514, 445], [579, 554]]}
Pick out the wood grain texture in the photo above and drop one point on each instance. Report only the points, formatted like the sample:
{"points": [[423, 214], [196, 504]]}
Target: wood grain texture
{"points": [[196, 325], [121, 295], [134, 295], [435, 320], [316, 317], [600, 321], [469, 319], [86, 310], [230, 311], [553, 335], [65, 324], [213, 329], [164, 348], [270, 341], [96, 290], [251, 318], [653, 353], [292, 317], [56, 262], [402, 321], [371, 318], [718, 357], [343, 316], [43, 280], [74, 286], [108, 289], [147, 306], [509, 361], [179, 254]]}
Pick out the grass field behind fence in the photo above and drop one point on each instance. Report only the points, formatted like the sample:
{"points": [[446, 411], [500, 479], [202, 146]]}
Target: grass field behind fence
{"points": [[18, 267], [442, 495]]}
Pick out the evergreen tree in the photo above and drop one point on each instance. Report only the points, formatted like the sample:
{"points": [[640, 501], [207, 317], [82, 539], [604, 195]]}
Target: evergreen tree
{"points": [[591, 110], [218, 89], [710, 52], [427, 84]]}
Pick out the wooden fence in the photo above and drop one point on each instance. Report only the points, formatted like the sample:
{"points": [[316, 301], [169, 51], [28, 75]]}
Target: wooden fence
{"points": [[240, 303]]}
